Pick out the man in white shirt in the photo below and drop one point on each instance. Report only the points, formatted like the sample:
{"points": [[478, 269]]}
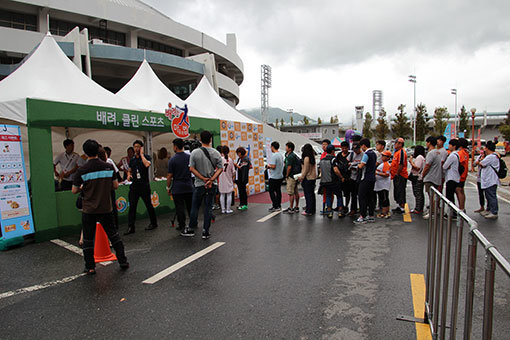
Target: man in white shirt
{"points": [[489, 180], [451, 168], [69, 163], [275, 172]]}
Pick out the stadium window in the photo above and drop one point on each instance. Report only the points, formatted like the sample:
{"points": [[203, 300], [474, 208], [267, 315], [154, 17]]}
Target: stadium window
{"points": [[21, 21], [159, 47], [61, 28]]}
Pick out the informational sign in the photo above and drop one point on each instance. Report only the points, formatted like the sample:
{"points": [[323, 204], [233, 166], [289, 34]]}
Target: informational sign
{"points": [[250, 137], [448, 133], [15, 210]]}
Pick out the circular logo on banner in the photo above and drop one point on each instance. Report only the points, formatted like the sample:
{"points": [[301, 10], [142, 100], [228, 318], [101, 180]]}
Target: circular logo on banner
{"points": [[121, 204], [155, 199], [179, 119]]}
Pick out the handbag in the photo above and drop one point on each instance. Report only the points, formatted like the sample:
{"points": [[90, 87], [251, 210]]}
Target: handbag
{"points": [[79, 201]]}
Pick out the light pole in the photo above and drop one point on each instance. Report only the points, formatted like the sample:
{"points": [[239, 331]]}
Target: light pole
{"points": [[473, 111], [412, 79], [457, 119]]}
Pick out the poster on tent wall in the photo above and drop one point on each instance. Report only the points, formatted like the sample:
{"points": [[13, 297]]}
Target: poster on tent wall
{"points": [[15, 210], [250, 137]]}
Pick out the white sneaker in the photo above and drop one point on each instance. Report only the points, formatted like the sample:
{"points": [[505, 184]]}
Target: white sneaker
{"points": [[484, 213], [229, 211], [491, 216], [223, 211], [426, 216]]}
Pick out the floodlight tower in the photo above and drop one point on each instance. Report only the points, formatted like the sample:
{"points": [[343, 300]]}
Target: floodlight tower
{"points": [[377, 103], [265, 84], [412, 79]]}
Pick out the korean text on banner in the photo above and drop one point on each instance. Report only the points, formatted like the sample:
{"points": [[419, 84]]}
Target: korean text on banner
{"points": [[15, 210]]}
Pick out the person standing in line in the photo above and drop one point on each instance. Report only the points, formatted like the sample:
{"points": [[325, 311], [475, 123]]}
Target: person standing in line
{"points": [[382, 184], [324, 145], [463, 154], [399, 175], [96, 179], [481, 194], [206, 164], [292, 168], [417, 162], [433, 170], [444, 155], [243, 167], [342, 161], [123, 165], [380, 146], [226, 181], [354, 160], [451, 168], [69, 162], [138, 174], [161, 163], [308, 178], [275, 172], [367, 182], [179, 183], [330, 178], [490, 180]]}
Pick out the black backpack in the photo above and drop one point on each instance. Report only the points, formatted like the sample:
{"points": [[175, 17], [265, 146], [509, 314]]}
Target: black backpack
{"points": [[502, 169]]}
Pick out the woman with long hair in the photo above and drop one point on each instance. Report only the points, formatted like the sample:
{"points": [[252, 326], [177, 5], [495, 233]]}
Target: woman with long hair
{"points": [[417, 164], [243, 167], [226, 181], [161, 163], [307, 178]]}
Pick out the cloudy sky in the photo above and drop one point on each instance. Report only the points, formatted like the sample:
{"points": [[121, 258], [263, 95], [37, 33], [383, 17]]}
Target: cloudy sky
{"points": [[328, 56]]}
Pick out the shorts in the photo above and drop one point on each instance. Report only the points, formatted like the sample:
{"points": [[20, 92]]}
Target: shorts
{"points": [[292, 187], [461, 184], [430, 184]]}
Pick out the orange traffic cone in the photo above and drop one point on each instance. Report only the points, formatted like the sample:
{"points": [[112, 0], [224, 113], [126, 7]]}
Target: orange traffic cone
{"points": [[102, 252]]}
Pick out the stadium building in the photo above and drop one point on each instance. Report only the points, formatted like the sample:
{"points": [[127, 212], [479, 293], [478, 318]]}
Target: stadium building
{"points": [[108, 39]]}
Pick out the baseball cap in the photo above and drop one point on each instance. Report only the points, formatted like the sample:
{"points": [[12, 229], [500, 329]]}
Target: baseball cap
{"points": [[330, 148], [386, 153]]}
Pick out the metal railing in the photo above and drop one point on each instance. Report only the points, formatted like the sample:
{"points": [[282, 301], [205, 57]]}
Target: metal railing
{"points": [[439, 256]]}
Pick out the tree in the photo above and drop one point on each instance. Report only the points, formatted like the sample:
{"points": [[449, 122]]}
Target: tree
{"points": [[367, 126], [333, 119], [306, 121], [282, 123], [440, 120], [504, 127], [291, 120], [319, 121], [464, 122], [276, 124], [401, 126], [382, 129], [422, 122]]}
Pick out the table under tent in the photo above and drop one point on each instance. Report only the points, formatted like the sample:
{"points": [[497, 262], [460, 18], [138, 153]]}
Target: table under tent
{"points": [[51, 99]]}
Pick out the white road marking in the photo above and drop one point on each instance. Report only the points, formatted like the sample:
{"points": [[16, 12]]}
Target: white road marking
{"points": [[39, 287], [273, 214], [75, 249], [164, 273]]}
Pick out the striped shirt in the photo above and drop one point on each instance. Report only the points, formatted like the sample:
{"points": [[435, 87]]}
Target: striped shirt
{"points": [[97, 179]]}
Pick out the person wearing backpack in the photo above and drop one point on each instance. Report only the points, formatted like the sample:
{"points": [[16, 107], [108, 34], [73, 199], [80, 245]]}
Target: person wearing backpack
{"points": [[366, 192], [292, 168], [451, 168], [330, 178], [307, 179], [464, 165], [489, 176]]}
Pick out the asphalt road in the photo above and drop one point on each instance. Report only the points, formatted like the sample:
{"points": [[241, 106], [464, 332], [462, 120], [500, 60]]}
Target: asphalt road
{"points": [[291, 277]]}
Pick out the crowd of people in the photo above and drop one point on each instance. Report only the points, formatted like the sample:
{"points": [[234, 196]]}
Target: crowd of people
{"points": [[358, 176]]}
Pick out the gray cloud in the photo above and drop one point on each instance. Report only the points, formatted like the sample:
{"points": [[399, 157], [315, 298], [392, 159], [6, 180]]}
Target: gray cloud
{"points": [[324, 34]]}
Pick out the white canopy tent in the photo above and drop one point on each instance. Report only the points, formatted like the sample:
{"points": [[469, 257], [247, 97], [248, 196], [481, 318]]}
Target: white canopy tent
{"points": [[206, 99], [48, 74], [149, 93]]}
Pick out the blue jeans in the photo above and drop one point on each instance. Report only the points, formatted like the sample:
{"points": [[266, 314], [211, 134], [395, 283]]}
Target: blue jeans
{"points": [[492, 199], [331, 191], [207, 195], [309, 188]]}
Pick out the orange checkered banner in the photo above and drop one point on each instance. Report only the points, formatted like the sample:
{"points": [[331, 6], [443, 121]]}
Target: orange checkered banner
{"points": [[250, 137]]}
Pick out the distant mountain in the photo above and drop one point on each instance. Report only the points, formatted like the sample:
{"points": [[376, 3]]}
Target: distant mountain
{"points": [[276, 113]]}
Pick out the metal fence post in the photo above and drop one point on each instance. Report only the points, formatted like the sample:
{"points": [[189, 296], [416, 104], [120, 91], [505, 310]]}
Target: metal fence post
{"points": [[446, 274], [470, 286], [456, 279], [437, 294], [429, 251], [488, 300]]}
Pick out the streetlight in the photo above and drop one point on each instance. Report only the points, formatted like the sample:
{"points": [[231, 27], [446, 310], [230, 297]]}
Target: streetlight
{"points": [[412, 79], [457, 119], [473, 111]]}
